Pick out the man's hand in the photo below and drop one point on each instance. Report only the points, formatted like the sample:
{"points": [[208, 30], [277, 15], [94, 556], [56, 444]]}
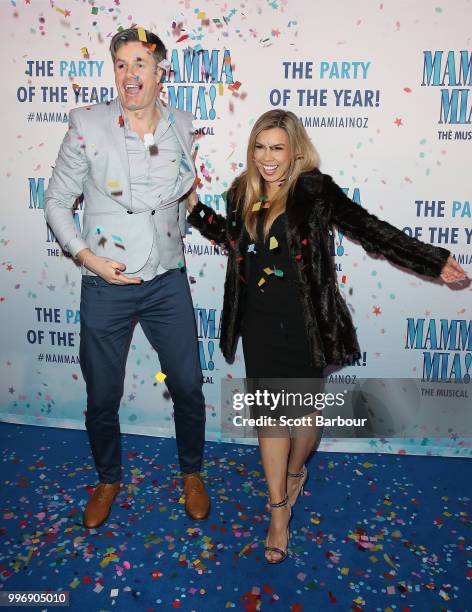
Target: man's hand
{"points": [[452, 272], [111, 271]]}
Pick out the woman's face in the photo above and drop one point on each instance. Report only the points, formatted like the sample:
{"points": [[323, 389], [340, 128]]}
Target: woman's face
{"points": [[272, 154]]}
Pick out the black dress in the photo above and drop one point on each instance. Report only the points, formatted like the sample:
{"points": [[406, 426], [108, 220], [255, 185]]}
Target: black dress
{"points": [[274, 338]]}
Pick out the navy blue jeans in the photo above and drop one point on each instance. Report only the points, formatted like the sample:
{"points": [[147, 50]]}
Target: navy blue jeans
{"points": [[108, 313]]}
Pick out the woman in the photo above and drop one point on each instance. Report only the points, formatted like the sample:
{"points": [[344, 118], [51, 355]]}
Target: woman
{"points": [[281, 292]]}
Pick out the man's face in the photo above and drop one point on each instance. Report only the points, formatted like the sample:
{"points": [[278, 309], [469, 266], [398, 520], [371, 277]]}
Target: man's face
{"points": [[136, 76]]}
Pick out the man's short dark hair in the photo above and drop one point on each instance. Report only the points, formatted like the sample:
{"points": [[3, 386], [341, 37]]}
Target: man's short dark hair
{"points": [[159, 51]]}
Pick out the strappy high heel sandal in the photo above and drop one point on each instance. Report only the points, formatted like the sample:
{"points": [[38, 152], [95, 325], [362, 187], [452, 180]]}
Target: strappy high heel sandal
{"points": [[283, 553], [303, 476]]}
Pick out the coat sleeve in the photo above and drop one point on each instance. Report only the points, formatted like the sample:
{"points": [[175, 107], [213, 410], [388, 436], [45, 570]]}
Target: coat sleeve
{"points": [[65, 186], [379, 237], [210, 224]]}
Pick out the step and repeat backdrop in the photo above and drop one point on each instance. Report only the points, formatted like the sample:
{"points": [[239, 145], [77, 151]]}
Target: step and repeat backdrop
{"points": [[384, 90]]}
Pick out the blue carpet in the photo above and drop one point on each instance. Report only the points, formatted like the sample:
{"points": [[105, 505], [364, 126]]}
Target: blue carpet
{"points": [[373, 532]]}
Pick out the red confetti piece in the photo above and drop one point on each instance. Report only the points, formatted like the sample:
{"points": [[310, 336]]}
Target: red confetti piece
{"points": [[304, 242], [121, 121], [407, 89], [332, 598], [184, 37]]}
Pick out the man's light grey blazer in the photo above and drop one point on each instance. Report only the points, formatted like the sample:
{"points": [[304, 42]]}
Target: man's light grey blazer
{"points": [[93, 160]]}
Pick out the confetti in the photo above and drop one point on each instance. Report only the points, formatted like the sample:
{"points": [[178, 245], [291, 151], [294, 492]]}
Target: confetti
{"points": [[142, 35], [273, 243], [160, 377]]}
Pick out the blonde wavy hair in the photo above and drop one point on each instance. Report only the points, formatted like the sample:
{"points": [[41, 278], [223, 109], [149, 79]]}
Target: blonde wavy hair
{"points": [[250, 187]]}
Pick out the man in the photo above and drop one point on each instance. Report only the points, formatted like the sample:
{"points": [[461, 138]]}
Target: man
{"points": [[131, 158]]}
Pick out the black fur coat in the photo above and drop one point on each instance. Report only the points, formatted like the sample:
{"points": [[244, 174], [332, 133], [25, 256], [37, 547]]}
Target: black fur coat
{"points": [[316, 205]]}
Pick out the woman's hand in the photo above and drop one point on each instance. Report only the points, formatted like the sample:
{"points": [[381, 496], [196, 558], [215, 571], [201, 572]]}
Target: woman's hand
{"points": [[452, 272], [192, 199]]}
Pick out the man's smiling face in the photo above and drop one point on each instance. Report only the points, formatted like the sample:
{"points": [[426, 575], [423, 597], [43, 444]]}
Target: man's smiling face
{"points": [[137, 77]]}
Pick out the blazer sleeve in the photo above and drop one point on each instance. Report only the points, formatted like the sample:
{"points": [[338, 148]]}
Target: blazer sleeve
{"points": [[210, 224], [65, 186], [379, 237]]}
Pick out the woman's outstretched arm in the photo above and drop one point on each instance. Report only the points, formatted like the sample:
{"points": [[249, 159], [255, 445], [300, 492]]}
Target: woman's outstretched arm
{"points": [[380, 237]]}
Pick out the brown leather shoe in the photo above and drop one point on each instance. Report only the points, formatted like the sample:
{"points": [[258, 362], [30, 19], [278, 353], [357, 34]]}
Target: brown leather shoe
{"points": [[197, 502], [98, 506]]}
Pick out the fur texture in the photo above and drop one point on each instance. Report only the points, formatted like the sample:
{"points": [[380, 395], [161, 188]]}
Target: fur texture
{"points": [[316, 205]]}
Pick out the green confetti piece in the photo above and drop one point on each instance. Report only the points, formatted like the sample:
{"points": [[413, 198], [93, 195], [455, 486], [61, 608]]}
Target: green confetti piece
{"points": [[94, 10], [279, 273], [180, 264]]}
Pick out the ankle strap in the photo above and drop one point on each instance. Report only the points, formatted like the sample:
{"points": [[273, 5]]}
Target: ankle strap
{"points": [[280, 504], [298, 475]]}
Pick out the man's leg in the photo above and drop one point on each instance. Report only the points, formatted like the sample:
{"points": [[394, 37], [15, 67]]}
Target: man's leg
{"points": [[106, 318], [167, 318]]}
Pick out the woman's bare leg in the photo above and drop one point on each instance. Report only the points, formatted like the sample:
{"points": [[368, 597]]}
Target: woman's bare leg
{"points": [[274, 447]]}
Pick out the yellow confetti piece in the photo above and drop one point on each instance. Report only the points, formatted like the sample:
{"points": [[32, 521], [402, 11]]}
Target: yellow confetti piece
{"points": [[113, 184], [396, 534], [273, 243], [448, 514], [29, 555], [160, 377], [256, 206], [261, 282], [366, 464], [344, 571], [142, 35], [201, 15], [182, 500], [373, 558], [315, 520], [221, 89], [85, 52], [268, 271], [389, 561]]}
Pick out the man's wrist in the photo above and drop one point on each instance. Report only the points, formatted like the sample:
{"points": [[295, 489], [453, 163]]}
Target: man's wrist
{"points": [[83, 256]]}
